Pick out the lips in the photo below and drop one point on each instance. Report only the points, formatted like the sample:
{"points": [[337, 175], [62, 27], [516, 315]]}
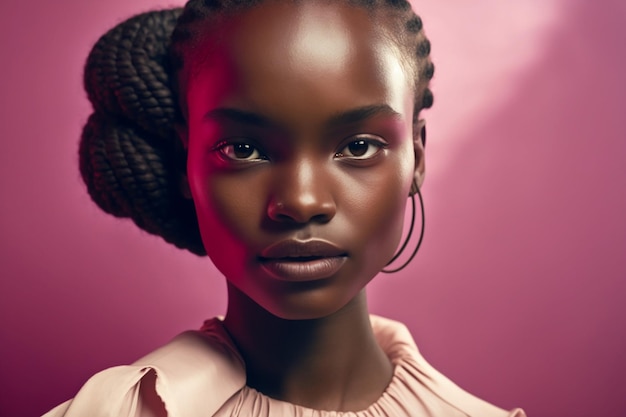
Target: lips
{"points": [[294, 260]]}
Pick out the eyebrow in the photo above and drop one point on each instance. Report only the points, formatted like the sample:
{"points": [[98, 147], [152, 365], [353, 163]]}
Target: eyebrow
{"points": [[361, 114], [352, 116], [239, 116]]}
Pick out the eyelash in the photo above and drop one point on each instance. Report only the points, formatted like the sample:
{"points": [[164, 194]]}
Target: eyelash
{"points": [[379, 144], [232, 145], [228, 150]]}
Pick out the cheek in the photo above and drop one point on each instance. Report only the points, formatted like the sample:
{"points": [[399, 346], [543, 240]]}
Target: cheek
{"points": [[226, 213], [386, 228], [380, 201]]}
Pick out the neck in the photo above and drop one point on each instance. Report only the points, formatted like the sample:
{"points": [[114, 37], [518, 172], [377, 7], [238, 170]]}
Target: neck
{"points": [[331, 363]]}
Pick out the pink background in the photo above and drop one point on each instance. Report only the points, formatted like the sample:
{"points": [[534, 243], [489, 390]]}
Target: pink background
{"points": [[518, 294]]}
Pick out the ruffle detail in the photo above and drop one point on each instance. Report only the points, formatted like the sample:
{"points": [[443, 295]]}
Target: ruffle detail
{"points": [[201, 374]]}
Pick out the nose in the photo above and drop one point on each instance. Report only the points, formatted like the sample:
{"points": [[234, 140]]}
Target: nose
{"points": [[302, 194]]}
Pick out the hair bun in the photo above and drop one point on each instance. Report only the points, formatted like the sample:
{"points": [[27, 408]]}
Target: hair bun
{"points": [[130, 157], [127, 72]]}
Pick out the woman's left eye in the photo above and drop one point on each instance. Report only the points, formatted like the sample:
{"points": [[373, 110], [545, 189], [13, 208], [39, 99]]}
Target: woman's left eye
{"points": [[361, 149]]}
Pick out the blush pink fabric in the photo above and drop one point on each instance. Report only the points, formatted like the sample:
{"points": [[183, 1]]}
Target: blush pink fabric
{"points": [[198, 363]]}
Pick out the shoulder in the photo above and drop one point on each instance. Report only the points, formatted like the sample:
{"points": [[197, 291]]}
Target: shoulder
{"points": [[172, 380], [423, 379]]}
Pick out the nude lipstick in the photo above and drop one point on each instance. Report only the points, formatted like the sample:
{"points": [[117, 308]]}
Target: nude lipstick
{"points": [[295, 260]]}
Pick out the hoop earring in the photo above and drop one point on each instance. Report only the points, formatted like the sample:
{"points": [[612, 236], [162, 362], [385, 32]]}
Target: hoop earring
{"points": [[417, 191]]}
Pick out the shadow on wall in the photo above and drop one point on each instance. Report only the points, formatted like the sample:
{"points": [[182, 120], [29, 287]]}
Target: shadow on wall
{"points": [[529, 212]]}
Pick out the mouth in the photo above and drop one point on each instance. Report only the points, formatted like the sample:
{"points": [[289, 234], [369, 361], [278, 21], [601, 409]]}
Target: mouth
{"points": [[294, 260]]}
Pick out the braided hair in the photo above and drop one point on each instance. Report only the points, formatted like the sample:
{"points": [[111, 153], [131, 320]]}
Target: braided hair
{"points": [[130, 156]]}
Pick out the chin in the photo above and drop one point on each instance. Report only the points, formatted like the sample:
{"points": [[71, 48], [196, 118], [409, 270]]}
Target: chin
{"points": [[300, 314], [311, 305]]}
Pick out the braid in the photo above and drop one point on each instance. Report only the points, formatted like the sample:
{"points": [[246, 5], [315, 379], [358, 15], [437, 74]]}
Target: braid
{"points": [[417, 45], [410, 32], [130, 157]]}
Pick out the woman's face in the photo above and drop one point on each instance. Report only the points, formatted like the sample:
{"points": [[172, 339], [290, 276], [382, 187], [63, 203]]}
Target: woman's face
{"points": [[300, 153]]}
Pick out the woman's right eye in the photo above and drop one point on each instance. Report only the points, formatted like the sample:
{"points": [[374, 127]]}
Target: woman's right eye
{"points": [[241, 151]]}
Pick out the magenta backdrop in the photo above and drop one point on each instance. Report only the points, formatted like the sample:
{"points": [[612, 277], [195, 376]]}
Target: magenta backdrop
{"points": [[518, 293]]}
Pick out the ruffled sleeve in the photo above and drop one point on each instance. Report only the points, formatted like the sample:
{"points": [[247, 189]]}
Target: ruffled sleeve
{"points": [[112, 392], [185, 374]]}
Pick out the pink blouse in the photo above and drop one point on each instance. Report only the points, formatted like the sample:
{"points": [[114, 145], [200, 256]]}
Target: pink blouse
{"points": [[201, 374]]}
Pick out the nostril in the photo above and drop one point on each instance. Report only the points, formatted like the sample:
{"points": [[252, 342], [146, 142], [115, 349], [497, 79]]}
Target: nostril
{"points": [[301, 212], [322, 218]]}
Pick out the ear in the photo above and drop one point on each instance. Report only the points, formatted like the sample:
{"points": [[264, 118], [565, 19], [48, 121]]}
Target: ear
{"points": [[419, 143]]}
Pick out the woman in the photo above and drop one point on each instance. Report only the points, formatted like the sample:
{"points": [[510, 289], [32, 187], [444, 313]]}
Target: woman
{"points": [[299, 141]]}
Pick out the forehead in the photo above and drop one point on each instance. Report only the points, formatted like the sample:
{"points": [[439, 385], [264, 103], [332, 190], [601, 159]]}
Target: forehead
{"points": [[285, 53]]}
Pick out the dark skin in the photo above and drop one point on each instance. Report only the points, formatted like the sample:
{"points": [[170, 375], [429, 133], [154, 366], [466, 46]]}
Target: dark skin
{"points": [[300, 130]]}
